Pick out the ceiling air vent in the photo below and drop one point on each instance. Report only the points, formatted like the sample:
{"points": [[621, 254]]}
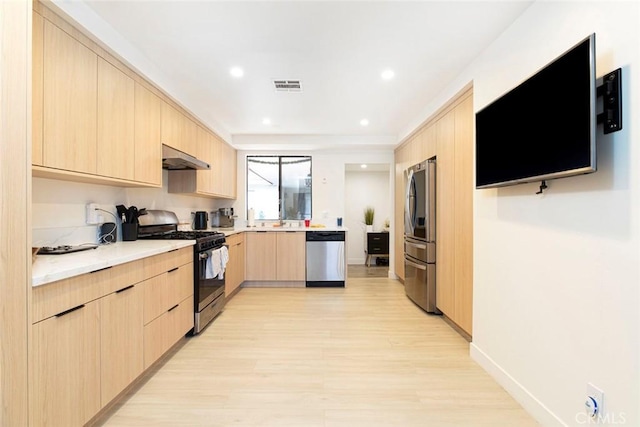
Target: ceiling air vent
{"points": [[288, 85]]}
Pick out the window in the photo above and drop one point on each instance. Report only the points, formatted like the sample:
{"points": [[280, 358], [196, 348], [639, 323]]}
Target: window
{"points": [[279, 187]]}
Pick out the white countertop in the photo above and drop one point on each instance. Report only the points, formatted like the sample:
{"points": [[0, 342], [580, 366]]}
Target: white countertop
{"points": [[50, 268], [235, 230]]}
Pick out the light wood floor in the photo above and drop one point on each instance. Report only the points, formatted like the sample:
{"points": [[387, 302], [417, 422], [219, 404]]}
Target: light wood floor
{"points": [[361, 270], [363, 355]]}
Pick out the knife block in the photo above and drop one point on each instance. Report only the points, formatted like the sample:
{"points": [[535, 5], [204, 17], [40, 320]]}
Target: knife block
{"points": [[129, 232]]}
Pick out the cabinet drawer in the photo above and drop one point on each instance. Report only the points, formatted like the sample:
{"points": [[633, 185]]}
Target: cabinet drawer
{"points": [[377, 243], [377, 249], [164, 331], [57, 297], [180, 283], [156, 297], [124, 275], [162, 263]]}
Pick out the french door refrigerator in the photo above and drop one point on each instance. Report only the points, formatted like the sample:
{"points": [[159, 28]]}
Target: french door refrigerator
{"points": [[420, 235]]}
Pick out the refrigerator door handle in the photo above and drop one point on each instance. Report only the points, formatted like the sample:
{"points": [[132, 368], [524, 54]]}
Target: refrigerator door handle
{"points": [[409, 210], [413, 264]]}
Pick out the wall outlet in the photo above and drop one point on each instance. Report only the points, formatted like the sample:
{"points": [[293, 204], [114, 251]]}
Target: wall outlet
{"points": [[594, 402], [93, 216]]}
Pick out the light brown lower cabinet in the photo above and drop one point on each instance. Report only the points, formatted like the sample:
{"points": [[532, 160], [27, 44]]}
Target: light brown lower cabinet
{"points": [[234, 275], [121, 340], [168, 310], [261, 255], [291, 257], [66, 367], [275, 255], [164, 331], [94, 334]]}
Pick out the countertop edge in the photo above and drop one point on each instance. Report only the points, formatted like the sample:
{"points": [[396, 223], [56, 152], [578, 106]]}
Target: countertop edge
{"points": [[52, 268], [230, 232]]}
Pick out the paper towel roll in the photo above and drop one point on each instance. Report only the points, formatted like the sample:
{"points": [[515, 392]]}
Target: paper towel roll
{"points": [[250, 218]]}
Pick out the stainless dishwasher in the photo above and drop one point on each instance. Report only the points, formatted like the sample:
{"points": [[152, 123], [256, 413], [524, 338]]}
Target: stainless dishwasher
{"points": [[325, 259]]}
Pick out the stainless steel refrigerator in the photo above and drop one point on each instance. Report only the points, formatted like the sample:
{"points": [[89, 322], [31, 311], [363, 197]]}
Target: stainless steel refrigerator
{"points": [[420, 235]]}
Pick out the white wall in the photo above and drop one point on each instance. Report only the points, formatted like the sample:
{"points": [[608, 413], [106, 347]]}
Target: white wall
{"points": [[59, 208], [556, 276], [328, 182], [364, 189]]}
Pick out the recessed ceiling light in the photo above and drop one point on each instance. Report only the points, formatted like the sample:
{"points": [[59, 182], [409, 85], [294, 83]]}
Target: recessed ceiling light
{"points": [[266, 121], [237, 72], [363, 166], [387, 74], [364, 122]]}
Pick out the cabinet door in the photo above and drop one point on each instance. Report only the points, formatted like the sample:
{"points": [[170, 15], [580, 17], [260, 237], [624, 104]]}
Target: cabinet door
{"points": [[445, 227], [116, 150], [235, 268], [228, 171], [205, 153], [66, 367], [37, 90], [122, 340], [70, 102], [291, 255], [217, 172], [172, 127], [148, 143], [261, 255], [189, 136], [463, 216]]}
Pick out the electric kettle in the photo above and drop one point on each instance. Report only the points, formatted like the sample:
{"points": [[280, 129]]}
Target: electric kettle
{"points": [[200, 219]]}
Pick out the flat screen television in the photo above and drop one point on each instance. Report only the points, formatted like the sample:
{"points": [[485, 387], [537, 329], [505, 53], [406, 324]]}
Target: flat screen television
{"points": [[545, 127]]}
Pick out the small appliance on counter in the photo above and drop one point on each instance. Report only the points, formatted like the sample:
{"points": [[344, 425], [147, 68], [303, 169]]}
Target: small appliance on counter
{"points": [[200, 220], [226, 218]]}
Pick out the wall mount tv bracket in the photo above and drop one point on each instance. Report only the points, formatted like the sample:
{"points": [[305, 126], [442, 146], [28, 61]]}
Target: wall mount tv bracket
{"points": [[611, 92]]}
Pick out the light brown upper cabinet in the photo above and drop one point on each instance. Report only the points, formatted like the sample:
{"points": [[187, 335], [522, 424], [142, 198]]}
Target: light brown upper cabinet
{"points": [[226, 185], [178, 131], [116, 148], [217, 182], [37, 82], [206, 153], [148, 146], [70, 102]]}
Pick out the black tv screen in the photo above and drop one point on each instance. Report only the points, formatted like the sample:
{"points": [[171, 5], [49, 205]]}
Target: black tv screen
{"points": [[545, 127]]}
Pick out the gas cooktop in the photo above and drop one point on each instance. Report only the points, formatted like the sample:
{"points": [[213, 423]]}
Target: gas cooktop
{"points": [[183, 235]]}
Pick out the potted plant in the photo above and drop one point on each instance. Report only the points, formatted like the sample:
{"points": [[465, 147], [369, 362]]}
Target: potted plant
{"points": [[368, 218]]}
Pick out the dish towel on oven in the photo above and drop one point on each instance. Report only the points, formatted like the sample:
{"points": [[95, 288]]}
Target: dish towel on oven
{"points": [[217, 263]]}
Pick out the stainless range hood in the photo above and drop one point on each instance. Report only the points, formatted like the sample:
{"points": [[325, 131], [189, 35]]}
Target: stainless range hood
{"points": [[173, 159]]}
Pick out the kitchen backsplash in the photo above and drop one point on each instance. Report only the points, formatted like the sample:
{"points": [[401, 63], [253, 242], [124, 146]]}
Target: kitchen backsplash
{"points": [[59, 208]]}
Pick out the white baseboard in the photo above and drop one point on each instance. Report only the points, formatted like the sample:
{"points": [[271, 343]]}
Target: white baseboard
{"points": [[529, 402]]}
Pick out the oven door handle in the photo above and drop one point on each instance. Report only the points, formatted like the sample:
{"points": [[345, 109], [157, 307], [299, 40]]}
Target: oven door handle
{"points": [[203, 255]]}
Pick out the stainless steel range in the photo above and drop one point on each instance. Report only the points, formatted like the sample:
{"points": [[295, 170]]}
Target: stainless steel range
{"points": [[208, 292]]}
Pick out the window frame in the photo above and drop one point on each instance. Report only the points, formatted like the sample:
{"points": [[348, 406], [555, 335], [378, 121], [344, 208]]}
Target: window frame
{"points": [[280, 199]]}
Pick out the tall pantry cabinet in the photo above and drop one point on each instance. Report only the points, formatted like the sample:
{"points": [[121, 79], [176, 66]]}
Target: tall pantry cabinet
{"points": [[449, 137]]}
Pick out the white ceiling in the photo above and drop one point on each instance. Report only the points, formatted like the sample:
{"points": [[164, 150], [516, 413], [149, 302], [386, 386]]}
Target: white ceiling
{"points": [[338, 49]]}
